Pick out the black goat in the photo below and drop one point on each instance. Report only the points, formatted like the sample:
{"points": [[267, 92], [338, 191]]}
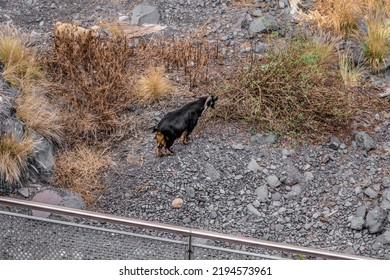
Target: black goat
{"points": [[180, 123]]}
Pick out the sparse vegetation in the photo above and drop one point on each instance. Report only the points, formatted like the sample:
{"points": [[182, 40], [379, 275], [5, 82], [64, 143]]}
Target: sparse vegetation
{"points": [[293, 89], [14, 155], [81, 170], [153, 85], [350, 73]]}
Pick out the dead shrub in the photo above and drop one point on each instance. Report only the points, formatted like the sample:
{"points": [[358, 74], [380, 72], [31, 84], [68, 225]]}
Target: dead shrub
{"points": [[81, 170], [293, 89], [93, 80], [191, 56]]}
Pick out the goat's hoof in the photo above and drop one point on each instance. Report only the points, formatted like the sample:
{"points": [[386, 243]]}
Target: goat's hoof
{"points": [[160, 154], [169, 153]]}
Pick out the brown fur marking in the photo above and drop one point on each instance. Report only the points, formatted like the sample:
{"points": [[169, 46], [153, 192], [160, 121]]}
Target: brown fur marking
{"points": [[160, 143], [184, 137]]}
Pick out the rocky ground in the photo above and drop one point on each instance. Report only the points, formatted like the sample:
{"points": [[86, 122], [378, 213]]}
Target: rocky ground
{"points": [[333, 196]]}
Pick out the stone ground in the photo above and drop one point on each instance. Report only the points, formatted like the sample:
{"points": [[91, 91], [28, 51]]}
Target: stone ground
{"points": [[332, 196]]}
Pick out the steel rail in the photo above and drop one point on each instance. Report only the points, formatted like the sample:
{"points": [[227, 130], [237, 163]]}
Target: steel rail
{"points": [[284, 247]]}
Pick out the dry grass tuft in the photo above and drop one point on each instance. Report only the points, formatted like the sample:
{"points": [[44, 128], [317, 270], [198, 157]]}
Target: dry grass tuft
{"points": [[339, 16], [20, 62], [153, 85], [376, 42], [293, 90], [350, 73], [38, 115], [14, 155], [81, 170]]}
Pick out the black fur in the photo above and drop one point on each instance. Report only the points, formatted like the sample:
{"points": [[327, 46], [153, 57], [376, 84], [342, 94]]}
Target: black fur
{"points": [[183, 120]]}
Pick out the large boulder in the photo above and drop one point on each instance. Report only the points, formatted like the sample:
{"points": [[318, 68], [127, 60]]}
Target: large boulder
{"points": [[144, 14]]}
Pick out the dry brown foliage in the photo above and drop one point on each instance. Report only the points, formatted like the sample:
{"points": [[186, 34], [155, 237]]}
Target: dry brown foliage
{"points": [[191, 56], [93, 80], [81, 170], [38, 115]]}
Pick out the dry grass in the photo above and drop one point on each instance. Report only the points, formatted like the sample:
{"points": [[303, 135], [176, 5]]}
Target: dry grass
{"points": [[38, 115], [93, 78], [294, 89], [20, 63], [113, 28], [81, 170], [153, 85], [190, 56], [350, 73], [339, 16], [376, 42], [14, 155]]}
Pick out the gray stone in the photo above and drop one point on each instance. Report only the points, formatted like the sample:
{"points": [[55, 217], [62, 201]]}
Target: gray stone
{"points": [[47, 196], [43, 154], [187, 220], [293, 176], [386, 200], [170, 185], [361, 211], [24, 192], [123, 18], [376, 219], [254, 166], [72, 200], [370, 193], [279, 228], [211, 172], [238, 177], [12, 126], [190, 192], [262, 193], [257, 13], [276, 196], [296, 190], [334, 143], [238, 146], [256, 203], [257, 26], [213, 215], [384, 238], [308, 176], [263, 139], [307, 226], [357, 223], [253, 210], [365, 141], [143, 14], [273, 181]]}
